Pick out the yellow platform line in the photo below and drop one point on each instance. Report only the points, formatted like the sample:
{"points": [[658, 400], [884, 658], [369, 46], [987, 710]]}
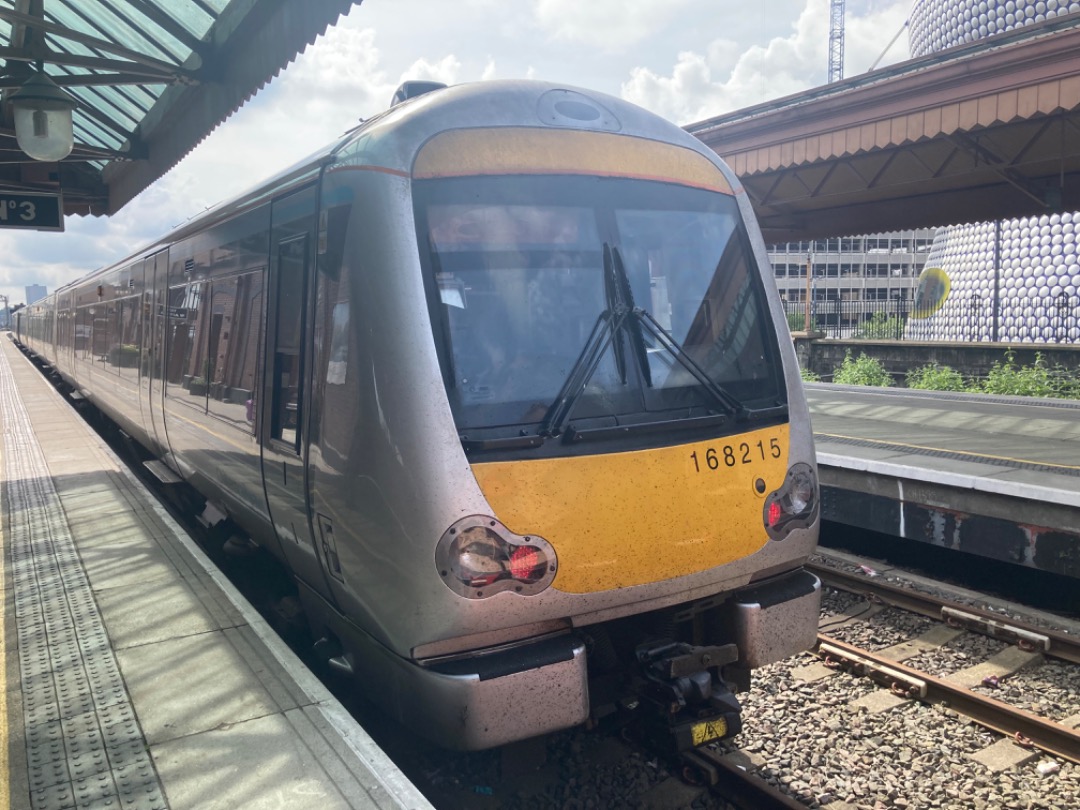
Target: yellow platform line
{"points": [[946, 450]]}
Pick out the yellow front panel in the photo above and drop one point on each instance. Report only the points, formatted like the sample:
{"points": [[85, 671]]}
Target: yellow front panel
{"points": [[622, 519]]}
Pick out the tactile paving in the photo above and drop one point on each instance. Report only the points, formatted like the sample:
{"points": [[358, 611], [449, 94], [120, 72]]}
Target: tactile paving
{"points": [[84, 747]]}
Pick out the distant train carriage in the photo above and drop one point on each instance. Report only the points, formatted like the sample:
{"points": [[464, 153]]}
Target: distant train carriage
{"points": [[502, 379]]}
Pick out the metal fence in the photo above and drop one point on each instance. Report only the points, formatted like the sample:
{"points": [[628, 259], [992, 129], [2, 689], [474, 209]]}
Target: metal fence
{"points": [[894, 319]]}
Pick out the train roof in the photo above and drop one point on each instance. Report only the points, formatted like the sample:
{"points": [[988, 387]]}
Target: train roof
{"points": [[413, 120]]}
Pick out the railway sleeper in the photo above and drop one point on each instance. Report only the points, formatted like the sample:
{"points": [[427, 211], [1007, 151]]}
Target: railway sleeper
{"points": [[899, 682]]}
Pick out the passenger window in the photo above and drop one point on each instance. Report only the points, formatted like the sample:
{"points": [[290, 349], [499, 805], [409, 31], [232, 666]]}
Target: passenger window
{"points": [[126, 353], [187, 339], [236, 313], [289, 322]]}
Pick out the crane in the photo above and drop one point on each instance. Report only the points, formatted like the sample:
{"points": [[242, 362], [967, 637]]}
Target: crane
{"points": [[836, 40]]}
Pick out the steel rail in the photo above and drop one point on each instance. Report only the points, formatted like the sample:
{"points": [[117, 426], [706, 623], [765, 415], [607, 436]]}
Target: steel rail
{"points": [[1029, 730], [1028, 636], [738, 786]]}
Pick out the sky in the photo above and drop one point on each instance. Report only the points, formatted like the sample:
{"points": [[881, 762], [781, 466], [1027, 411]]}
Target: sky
{"points": [[686, 60]]}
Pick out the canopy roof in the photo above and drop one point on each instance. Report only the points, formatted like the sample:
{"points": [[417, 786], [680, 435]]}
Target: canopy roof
{"points": [[152, 80]]}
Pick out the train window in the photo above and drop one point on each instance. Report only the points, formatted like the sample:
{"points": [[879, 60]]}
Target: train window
{"points": [[289, 321], [524, 271], [236, 312], [103, 332], [126, 353], [695, 280], [187, 331]]}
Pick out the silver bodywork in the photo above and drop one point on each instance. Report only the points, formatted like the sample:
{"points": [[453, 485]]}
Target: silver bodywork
{"points": [[382, 472]]}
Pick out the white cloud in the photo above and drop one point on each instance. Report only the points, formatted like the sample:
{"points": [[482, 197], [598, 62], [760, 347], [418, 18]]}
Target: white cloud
{"points": [[446, 70], [867, 37], [728, 77], [685, 59], [613, 25]]}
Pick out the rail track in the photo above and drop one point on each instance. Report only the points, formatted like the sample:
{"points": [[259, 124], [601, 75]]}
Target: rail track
{"points": [[1033, 643]]}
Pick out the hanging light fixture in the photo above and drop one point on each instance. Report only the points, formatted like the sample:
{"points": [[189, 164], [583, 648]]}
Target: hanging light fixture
{"points": [[43, 118]]}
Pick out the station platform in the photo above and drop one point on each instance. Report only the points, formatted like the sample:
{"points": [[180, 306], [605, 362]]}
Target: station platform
{"points": [[134, 675], [990, 475]]}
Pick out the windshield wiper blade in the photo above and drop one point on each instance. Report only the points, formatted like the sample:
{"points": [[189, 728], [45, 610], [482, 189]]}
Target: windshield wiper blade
{"points": [[616, 300], [607, 331], [607, 326], [660, 335], [633, 325]]}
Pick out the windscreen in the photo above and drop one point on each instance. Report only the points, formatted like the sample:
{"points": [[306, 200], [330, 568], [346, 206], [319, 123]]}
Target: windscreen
{"points": [[643, 294]]}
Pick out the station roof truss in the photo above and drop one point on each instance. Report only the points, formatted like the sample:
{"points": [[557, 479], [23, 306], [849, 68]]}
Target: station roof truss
{"points": [[152, 80], [988, 130]]}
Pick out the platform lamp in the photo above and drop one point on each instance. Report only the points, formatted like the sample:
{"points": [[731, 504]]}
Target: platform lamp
{"points": [[43, 118]]}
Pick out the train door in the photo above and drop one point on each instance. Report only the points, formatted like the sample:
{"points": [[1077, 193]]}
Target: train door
{"points": [[155, 295], [282, 409]]}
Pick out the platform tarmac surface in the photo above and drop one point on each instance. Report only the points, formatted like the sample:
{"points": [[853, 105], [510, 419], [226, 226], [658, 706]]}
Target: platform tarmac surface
{"points": [[995, 476], [134, 675], [1013, 445]]}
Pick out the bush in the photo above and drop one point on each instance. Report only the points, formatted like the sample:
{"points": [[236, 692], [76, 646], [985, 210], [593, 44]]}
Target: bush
{"points": [[862, 371], [809, 376], [880, 327], [936, 378], [1039, 380], [797, 320], [125, 355]]}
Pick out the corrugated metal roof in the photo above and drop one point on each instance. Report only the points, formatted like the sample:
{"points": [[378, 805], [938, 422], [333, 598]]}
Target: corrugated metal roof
{"points": [[986, 131], [152, 79]]}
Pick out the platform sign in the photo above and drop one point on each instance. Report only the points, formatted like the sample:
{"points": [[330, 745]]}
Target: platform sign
{"points": [[35, 212]]}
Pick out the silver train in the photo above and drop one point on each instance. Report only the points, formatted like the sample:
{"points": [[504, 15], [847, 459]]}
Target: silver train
{"points": [[502, 379]]}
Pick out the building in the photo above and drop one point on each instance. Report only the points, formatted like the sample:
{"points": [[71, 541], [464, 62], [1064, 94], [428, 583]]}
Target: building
{"points": [[35, 292], [853, 277], [1016, 280]]}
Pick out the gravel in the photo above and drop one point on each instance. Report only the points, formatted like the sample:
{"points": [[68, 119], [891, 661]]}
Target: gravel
{"points": [[806, 737], [822, 750]]}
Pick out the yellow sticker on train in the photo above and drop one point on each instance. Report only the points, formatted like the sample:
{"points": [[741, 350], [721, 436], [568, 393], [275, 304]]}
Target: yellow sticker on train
{"points": [[708, 731]]}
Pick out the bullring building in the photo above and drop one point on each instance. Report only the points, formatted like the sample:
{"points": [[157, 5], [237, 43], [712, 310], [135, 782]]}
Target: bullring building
{"points": [[1017, 280]]}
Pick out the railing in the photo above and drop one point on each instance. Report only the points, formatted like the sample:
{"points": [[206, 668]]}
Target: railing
{"points": [[1036, 320], [869, 320]]}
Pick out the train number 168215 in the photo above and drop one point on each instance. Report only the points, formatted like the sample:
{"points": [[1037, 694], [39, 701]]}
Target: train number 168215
{"points": [[732, 454]]}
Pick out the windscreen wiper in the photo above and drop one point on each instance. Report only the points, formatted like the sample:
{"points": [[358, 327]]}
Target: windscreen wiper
{"points": [[607, 331], [633, 326], [726, 401]]}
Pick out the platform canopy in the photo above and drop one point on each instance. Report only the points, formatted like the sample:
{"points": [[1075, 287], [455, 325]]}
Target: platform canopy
{"points": [[151, 79]]}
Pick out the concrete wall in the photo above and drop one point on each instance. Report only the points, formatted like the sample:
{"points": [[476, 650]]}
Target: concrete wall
{"points": [[823, 355]]}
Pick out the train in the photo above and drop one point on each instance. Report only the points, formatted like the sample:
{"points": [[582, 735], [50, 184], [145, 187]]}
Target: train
{"points": [[502, 381]]}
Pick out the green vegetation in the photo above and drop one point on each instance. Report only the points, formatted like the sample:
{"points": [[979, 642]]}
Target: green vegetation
{"points": [[936, 378], [880, 327], [797, 320], [862, 370], [1005, 377], [809, 376], [125, 355], [1039, 380]]}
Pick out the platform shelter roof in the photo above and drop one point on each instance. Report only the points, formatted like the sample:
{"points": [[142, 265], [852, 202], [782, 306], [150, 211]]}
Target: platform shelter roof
{"points": [[151, 79]]}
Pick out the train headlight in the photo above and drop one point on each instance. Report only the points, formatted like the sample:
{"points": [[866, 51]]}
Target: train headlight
{"points": [[478, 557], [794, 505]]}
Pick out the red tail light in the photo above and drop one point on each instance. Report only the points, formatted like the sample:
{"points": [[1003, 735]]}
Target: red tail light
{"points": [[527, 563], [478, 557], [794, 505]]}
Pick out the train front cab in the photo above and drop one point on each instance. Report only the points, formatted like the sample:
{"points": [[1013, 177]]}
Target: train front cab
{"points": [[617, 464]]}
